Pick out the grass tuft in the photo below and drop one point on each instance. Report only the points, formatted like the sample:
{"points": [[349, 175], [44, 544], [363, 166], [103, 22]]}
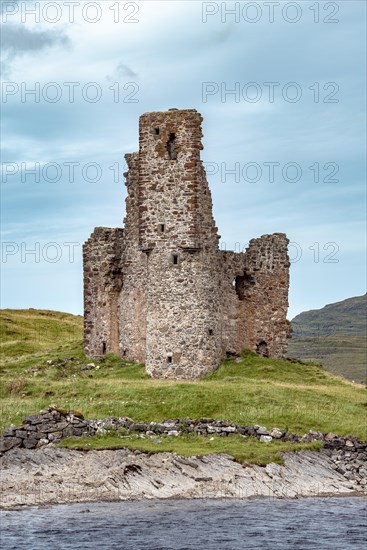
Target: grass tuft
{"points": [[15, 386]]}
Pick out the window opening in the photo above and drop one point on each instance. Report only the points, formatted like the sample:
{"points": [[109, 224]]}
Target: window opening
{"points": [[262, 349], [242, 284], [171, 147]]}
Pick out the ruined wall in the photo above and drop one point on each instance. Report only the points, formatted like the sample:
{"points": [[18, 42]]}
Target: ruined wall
{"points": [[231, 265], [103, 280], [267, 262], [160, 291], [255, 298], [169, 186], [133, 296]]}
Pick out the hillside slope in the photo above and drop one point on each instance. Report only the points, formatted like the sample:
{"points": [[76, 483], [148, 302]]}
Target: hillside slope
{"points": [[334, 336], [26, 332]]}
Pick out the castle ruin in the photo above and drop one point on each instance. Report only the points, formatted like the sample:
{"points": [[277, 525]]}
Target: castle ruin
{"points": [[160, 291]]}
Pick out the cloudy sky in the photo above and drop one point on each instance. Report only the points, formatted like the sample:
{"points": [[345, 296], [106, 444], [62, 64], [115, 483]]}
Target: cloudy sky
{"points": [[282, 91]]}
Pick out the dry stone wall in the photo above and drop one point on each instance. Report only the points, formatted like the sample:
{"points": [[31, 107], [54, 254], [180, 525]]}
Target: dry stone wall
{"points": [[160, 291]]}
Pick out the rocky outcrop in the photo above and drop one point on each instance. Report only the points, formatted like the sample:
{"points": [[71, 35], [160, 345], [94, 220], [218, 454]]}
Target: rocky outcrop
{"points": [[52, 475]]}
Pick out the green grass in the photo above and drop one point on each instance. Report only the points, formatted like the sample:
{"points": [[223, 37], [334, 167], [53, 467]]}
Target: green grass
{"points": [[25, 332], [250, 390], [256, 368], [244, 450]]}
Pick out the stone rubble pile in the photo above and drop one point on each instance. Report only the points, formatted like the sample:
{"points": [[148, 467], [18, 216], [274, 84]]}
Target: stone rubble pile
{"points": [[68, 362], [349, 460], [49, 426]]}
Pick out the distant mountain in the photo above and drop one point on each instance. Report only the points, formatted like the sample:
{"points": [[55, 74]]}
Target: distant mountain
{"points": [[334, 336]]}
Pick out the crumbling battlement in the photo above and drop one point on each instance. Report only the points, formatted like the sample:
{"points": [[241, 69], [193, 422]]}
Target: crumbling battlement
{"points": [[160, 291]]}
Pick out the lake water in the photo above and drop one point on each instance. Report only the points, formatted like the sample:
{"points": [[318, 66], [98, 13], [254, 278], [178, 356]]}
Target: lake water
{"points": [[310, 523]]}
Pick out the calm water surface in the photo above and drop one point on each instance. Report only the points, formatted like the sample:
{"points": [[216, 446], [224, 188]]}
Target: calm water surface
{"points": [[319, 523]]}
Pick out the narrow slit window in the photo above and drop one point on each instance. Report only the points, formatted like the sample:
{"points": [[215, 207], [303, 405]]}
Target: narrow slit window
{"points": [[161, 228], [175, 259], [169, 358], [103, 348], [156, 131], [171, 147], [210, 332]]}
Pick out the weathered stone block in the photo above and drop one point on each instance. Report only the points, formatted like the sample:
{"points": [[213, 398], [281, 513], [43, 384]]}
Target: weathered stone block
{"points": [[7, 443], [9, 432], [266, 438], [30, 443], [33, 419]]}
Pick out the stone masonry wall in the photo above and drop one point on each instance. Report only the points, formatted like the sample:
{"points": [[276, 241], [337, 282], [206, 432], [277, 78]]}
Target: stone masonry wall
{"points": [[266, 296], [133, 296], [178, 234], [160, 291], [255, 297], [103, 281]]}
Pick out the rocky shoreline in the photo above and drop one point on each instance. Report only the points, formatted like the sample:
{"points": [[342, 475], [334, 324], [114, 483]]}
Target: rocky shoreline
{"points": [[35, 472], [61, 476]]}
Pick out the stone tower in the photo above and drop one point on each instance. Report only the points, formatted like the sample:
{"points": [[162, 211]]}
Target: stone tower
{"points": [[160, 291]]}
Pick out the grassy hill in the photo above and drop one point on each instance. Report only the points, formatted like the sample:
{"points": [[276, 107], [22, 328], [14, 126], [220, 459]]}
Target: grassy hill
{"points": [[43, 363], [26, 332], [334, 336]]}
